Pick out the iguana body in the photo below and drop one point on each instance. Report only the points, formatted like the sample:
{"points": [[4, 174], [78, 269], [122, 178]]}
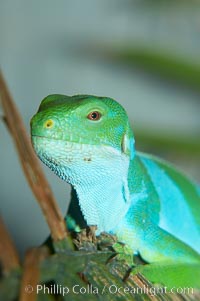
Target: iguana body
{"points": [[150, 206]]}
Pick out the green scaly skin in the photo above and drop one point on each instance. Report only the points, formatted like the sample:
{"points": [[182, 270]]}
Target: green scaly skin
{"points": [[149, 205]]}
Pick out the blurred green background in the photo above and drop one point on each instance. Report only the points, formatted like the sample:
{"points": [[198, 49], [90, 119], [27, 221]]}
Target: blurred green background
{"points": [[144, 54]]}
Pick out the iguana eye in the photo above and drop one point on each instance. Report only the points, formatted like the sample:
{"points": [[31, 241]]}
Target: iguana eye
{"points": [[95, 115]]}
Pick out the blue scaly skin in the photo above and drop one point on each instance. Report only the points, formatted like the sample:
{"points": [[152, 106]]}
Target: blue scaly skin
{"points": [[149, 205]]}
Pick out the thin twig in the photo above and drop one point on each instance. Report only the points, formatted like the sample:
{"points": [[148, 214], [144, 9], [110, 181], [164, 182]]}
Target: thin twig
{"points": [[8, 255], [31, 273], [31, 166]]}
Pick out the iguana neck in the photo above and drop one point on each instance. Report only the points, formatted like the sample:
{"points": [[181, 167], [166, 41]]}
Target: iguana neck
{"points": [[98, 173], [104, 203], [102, 187]]}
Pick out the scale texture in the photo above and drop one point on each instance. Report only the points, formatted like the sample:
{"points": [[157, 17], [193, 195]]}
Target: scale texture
{"points": [[149, 205]]}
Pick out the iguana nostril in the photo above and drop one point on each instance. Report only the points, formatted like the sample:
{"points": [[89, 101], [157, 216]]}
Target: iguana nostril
{"points": [[49, 123]]}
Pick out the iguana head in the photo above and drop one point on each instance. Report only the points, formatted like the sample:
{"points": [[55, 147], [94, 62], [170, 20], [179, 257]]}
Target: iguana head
{"points": [[68, 131]]}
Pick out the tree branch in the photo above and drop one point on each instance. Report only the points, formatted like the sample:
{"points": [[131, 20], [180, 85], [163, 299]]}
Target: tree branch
{"points": [[31, 166], [8, 254]]}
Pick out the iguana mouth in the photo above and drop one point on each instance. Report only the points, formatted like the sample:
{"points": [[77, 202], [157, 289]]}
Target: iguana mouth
{"points": [[78, 141], [38, 136], [50, 138], [63, 149]]}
